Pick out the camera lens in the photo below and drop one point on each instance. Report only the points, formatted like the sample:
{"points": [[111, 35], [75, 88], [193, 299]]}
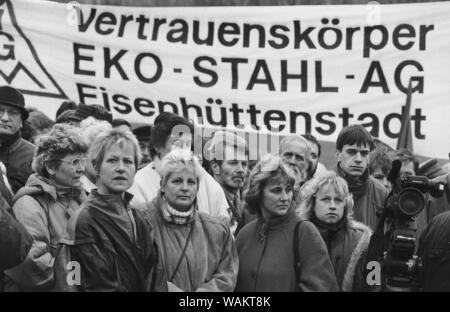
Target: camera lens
{"points": [[411, 201]]}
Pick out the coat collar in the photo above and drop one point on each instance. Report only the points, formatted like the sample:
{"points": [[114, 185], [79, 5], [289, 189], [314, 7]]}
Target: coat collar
{"points": [[357, 187], [37, 184], [111, 202], [10, 143], [278, 224]]}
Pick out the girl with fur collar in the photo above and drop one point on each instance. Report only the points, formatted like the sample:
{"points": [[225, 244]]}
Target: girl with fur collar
{"points": [[327, 202]]}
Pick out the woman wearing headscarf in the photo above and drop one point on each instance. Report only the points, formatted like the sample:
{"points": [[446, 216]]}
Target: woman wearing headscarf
{"points": [[45, 204], [110, 240], [327, 202], [198, 250], [278, 251]]}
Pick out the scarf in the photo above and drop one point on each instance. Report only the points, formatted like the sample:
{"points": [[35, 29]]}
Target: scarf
{"points": [[358, 187], [327, 230], [6, 141], [67, 193], [172, 215]]}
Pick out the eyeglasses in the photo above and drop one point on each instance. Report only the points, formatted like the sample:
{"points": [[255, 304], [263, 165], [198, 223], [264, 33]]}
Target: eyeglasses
{"points": [[76, 162], [11, 111]]}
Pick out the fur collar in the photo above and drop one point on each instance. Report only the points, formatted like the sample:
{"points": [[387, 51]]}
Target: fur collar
{"points": [[358, 253]]}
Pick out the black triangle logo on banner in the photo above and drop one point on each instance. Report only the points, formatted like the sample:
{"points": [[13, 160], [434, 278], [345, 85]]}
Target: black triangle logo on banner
{"points": [[35, 79]]}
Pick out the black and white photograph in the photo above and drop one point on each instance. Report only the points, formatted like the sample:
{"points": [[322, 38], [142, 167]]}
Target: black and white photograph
{"points": [[238, 148]]}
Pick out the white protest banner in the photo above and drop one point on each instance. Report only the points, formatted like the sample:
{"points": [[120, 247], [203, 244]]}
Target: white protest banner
{"points": [[298, 68]]}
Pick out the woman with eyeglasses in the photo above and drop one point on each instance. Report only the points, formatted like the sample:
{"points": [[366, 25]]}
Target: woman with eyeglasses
{"points": [[45, 204]]}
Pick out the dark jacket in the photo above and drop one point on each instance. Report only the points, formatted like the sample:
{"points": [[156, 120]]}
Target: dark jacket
{"points": [[369, 197], [15, 242], [44, 209], [434, 249], [347, 245], [266, 257], [435, 206], [114, 246], [17, 155]]}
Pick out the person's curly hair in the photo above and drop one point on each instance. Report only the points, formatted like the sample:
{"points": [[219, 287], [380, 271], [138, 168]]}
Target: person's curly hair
{"points": [[62, 140], [269, 168]]}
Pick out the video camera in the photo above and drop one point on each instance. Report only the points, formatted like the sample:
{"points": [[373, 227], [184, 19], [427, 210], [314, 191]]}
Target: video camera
{"points": [[400, 268]]}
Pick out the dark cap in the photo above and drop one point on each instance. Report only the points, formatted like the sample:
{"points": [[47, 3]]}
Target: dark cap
{"points": [[12, 97], [97, 111], [67, 116], [143, 133]]}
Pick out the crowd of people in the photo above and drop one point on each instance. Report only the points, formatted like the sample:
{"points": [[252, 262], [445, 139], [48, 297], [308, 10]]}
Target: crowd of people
{"points": [[139, 211]]}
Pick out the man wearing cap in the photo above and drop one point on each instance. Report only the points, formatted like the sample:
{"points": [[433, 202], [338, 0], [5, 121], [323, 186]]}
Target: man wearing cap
{"points": [[94, 110], [69, 117], [229, 158], [15, 153]]}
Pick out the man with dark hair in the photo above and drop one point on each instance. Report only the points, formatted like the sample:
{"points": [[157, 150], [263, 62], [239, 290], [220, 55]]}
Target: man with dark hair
{"points": [[228, 165], [380, 164], [353, 146], [15, 153], [143, 134], [410, 165]]}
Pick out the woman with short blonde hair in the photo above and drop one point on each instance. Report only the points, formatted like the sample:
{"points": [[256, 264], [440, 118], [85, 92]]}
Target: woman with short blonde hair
{"points": [[328, 203], [198, 250], [110, 240]]}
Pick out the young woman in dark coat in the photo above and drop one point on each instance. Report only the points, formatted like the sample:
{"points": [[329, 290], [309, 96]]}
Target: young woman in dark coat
{"points": [[270, 246]]}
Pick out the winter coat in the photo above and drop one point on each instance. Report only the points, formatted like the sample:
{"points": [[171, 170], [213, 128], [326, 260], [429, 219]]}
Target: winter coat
{"points": [[17, 156], [434, 249], [15, 242], [369, 197], [266, 257], [347, 247], [114, 246], [435, 206], [210, 262], [44, 211], [211, 198]]}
